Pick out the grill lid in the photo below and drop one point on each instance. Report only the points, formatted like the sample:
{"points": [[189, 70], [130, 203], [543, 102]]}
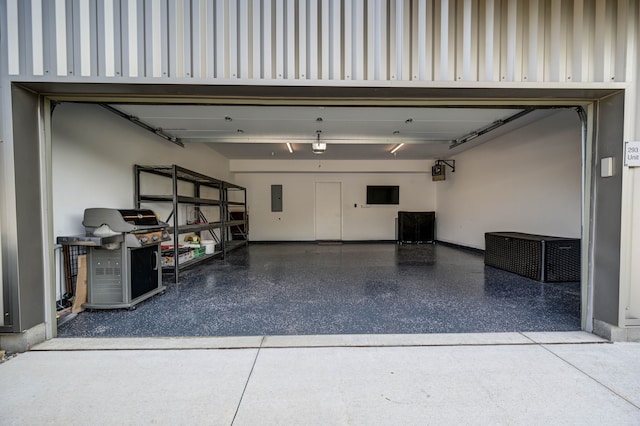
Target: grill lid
{"points": [[121, 220]]}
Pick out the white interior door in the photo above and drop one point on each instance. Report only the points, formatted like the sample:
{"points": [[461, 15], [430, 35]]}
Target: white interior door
{"points": [[328, 211]]}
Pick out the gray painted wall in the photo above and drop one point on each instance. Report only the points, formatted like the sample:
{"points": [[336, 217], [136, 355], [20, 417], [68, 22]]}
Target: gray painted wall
{"points": [[606, 209], [30, 250]]}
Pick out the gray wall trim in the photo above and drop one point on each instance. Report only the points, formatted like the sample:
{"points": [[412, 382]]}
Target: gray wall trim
{"points": [[7, 195], [607, 208], [30, 260]]}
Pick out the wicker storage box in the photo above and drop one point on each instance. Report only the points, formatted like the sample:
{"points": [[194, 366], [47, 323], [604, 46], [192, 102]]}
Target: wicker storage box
{"points": [[539, 257]]}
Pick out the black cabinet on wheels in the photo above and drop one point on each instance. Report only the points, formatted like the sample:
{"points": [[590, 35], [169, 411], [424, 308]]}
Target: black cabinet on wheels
{"points": [[416, 227]]}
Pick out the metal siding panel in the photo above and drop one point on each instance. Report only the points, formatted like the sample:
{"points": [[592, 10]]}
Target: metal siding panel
{"points": [[578, 66], [600, 47], [13, 38], [347, 37], [152, 39], [313, 40], [531, 54], [303, 48], [324, 12], [370, 41], [392, 41], [140, 35], [62, 27], [255, 40], [632, 69], [84, 38], [232, 51], [187, 43], [198, 41], [161, 21], [566, 63], [49, 54], [117, 38], [451, 54], [413, 37], [25, 42], [422, 40], [72, 47], [359, 52], [290, 41], [211, 40], [619, 72], [37, 40], [129, 39], [512, 38], [443, 51], [220, 41], [279, 40], [267, 40], [405, 51], [488, 32], [335, 43], [109, 52], [174, 38], [100, 47], [488, 40]]}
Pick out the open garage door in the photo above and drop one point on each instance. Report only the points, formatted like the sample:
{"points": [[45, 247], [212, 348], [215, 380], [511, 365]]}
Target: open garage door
{"points": [[120, 180]]}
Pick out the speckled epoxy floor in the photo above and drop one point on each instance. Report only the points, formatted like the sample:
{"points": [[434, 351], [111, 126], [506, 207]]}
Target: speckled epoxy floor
{"points": [[306, 288]]}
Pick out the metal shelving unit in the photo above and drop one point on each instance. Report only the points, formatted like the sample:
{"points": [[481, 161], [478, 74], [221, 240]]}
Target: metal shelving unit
{"points": [[226, 239]]}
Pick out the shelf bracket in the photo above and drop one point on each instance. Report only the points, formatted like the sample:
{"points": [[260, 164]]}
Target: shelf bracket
{"points": [[450, 163]]}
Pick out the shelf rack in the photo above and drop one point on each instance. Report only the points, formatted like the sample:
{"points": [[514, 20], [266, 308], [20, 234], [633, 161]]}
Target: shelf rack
{"points": [[228, 238]]}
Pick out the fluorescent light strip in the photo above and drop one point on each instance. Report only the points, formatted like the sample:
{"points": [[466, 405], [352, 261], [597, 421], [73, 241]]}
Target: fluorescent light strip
{"points": [[397, 147], [289, 147]]}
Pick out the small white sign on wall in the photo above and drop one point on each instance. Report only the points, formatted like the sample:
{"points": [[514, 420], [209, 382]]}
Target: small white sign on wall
{"points": [[632, 154]]}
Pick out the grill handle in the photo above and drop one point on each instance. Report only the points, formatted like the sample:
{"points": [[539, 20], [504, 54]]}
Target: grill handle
{"points": [[157, 258]]}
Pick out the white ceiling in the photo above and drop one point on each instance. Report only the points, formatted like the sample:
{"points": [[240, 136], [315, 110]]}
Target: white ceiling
{"points": [[366, 133]]}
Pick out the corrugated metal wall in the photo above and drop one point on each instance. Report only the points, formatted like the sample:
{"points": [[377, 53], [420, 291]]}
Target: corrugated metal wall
{"points": [[420, 40]]}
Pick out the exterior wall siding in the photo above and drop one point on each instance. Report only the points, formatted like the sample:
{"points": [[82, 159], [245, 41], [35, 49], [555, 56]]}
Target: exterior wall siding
{"points": [[564, 41]]}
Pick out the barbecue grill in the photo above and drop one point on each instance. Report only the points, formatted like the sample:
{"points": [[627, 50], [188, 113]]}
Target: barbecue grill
{"points": [[123, 256]]}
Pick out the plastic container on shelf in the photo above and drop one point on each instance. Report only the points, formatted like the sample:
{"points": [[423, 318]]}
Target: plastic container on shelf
{"points": [[209, 246]]}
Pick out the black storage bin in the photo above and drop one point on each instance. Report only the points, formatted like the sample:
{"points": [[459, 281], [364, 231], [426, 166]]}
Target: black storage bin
{"points": [[416, 227], [539, 257]]}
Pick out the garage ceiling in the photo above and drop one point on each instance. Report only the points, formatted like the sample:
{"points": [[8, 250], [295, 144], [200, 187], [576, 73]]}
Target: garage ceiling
{"points": [[363, 133]]}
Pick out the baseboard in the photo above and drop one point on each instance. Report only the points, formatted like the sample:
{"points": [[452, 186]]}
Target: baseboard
{"points": [[321, 241], [461, 247]]}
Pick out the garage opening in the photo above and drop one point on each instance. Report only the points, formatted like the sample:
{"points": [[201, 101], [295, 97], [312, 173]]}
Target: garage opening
{"points": [[330, 261]]}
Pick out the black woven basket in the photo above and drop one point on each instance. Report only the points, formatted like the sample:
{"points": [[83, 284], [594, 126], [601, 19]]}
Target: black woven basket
{"points": [[542, 258]]}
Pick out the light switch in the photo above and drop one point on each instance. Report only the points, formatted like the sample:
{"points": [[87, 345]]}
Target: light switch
{"points": [[606, 167]]}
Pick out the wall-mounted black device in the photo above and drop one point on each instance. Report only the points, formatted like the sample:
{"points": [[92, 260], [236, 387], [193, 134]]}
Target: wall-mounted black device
{"points": [[438, 169]]}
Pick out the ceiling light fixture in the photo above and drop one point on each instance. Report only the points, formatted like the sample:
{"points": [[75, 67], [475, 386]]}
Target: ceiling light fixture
{"points": [[408, 120], [240, 131], [396, 132], [290, 147], [319, 120], [227, 118], [396, 148], [318, 147]]}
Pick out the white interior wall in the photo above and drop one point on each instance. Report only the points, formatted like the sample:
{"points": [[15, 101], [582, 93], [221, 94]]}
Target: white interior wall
{"points": [[528, 180], [93, 153], [296, 221]]}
